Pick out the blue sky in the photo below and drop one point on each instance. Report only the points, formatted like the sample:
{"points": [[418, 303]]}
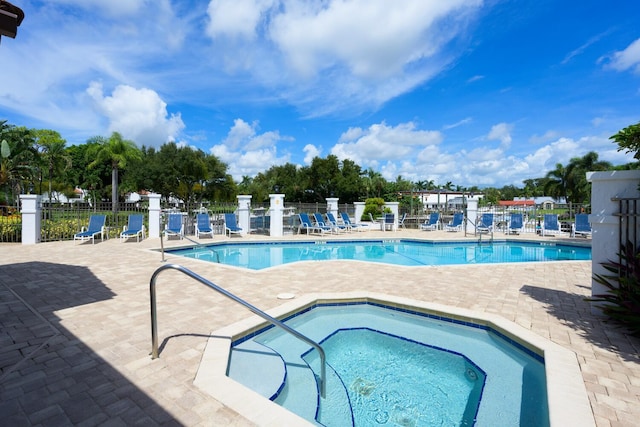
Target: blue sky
{"points": [[471, 92]]}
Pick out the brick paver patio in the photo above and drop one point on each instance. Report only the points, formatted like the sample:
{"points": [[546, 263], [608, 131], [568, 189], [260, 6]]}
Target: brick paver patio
{"points": [[75, 337]]}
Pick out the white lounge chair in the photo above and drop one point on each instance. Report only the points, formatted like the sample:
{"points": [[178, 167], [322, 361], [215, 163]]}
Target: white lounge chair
{"points": [[353, 225]]}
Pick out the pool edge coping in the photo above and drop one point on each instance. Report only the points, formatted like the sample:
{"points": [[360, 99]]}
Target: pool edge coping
{"points": [[566, 392]]}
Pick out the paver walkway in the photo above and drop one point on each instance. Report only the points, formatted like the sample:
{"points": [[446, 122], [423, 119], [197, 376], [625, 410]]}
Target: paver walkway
{"points": [[75, 330]]}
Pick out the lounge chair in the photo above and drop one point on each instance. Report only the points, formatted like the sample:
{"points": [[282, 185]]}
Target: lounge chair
{"points": [[306, 224], [431, 223], [203, 225], [389, 222], [174, 226], [319, 222], [550, 225], [486, 223], [516, 224], [95, 227], [401, 221], [333, 223], [456, 222], [231, 225], [135, 228], [581, 227], [373, 221], [354, 226]]}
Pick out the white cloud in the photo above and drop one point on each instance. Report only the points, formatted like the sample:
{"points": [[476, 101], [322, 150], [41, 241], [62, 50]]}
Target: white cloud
{"points": [[547, 136], [310, 151], [629, 58], [236, 18], [502, 133], [462, 122], [112, 7], [383, 142], [248, 152], [138, 114]]}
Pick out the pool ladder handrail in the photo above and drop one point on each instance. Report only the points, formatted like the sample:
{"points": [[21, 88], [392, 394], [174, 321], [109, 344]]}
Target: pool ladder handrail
{"points": [[253, 309]]}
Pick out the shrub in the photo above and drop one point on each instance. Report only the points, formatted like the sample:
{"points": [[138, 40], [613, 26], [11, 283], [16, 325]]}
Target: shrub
{"points": [[621, 302]]}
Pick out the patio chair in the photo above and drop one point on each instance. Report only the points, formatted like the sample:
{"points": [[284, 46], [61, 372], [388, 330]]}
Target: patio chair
{"points": [[401, 221], [134, 228], [95, 227], [231, 225], [353, 225], [174, 226], [310, 227], [486, 223], [319, 222], [581, 227], [550, 225], [456, 222], [203, 225], [333, 223], [516, 224], [431, 223], [389, 222]]}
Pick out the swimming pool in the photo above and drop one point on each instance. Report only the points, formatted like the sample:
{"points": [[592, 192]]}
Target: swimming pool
{"points": [[405, 252], [397, 367]]}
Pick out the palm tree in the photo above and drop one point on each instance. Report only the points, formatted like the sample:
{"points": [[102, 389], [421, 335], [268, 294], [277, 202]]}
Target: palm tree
{"points": [[558, 183], [578, 187], [118, 152], [53, 153]]}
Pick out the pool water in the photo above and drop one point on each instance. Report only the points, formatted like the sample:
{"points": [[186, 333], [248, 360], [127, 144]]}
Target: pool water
{"points": [[257, 256], [388, 366]]}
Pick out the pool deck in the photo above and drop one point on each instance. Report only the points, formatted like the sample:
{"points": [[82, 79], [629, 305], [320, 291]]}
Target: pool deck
{"points": [[75, 325]]}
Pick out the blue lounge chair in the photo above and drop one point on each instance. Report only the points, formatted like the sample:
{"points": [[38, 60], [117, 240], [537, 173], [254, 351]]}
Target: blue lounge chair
{"points": [[432, 223], [174, 226], [581, 227], [333, 223], [310, 227], [319, 222], [203, 225], [135, 228], [550, 225], [95, 227], [354, 226], [389, 222], [456, 222], [231, 225], [486, 223], [516, 224]]}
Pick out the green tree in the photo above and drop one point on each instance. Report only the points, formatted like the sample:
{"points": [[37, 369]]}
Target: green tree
{"points": [[628, 139], [579, 188], [558, 182], [17, 159], [53, 154], [116, 151]]}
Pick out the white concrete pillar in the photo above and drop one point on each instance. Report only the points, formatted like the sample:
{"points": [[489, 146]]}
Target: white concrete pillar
{"points": [[394, 210], [244, 213], [31, 218], [605, 242], [359, 210], [276, 212], [332, 206], [472, 213], [154, 215]]}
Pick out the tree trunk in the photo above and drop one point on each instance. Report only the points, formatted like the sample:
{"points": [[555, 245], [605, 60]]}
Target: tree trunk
{"points": [[114, 190]]}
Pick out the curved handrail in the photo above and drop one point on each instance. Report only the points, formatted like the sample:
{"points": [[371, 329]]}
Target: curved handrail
{"points": [[255, 310]]}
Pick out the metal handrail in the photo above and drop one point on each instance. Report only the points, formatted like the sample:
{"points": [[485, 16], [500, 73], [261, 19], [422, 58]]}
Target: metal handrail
{"points": [[255, 310], [198, 245]]}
